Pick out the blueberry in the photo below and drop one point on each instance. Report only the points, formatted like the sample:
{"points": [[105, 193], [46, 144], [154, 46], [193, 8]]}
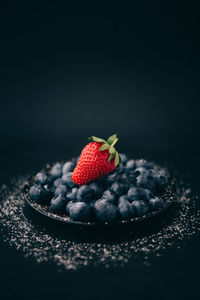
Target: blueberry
{"points": [[145, 182], [140, 171], [159, 178], [105, 211], [135, 193], [40, 195], [109, 196], [129, 177], [112, 178], [67, 179], [126, 186], [117, 188], [120, 170], [125, 209], [140, 207], [97, 188], [85, 193], [126, 183], [144, 163], [130, 165], [124, 158], [77, 159], [126, 180], [124, 177], [61, 190], [68, 167], [41, 178], [147, 195], [68, 206], [57, 182], [80, 211], [58, 203], [156, 203], [123, 198], [72, 195], [56, 170]]}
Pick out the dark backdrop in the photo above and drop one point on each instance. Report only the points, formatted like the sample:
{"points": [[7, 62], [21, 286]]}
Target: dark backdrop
{"points": [[69, 70], [87, 68]]}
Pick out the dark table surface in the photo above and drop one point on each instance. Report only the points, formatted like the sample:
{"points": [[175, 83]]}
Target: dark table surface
{"points": [[175, 275]]}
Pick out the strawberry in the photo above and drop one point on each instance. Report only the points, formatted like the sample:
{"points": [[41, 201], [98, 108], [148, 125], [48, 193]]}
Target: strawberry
{"points": [[97, 159]]}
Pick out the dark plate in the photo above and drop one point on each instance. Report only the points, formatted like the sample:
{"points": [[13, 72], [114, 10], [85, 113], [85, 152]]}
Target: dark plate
{"points": [[168, 196]]}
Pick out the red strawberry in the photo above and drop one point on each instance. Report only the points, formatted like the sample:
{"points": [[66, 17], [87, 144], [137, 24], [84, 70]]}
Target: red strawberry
{"points": [[97, 159]]}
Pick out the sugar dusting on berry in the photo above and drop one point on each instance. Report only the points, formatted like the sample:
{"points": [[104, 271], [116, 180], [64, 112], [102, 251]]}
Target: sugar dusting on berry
{"points": [[33, 240]]}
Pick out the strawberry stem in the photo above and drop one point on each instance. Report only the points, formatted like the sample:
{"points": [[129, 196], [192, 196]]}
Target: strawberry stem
{"points": [[108, 145], [115, 141]]}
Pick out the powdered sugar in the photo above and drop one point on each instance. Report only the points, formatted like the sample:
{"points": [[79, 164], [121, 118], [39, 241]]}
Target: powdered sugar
{"points": [[33, 239]]}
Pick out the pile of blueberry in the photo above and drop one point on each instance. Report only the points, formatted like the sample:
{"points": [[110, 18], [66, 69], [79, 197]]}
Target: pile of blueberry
{"points": [[132, 190]]}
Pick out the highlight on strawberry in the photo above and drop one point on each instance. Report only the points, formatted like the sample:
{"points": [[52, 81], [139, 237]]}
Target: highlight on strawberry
{"points": [[97, 159]]}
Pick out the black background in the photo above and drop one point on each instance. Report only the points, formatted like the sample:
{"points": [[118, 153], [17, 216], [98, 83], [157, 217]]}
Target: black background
{"points": [[70, 70]]}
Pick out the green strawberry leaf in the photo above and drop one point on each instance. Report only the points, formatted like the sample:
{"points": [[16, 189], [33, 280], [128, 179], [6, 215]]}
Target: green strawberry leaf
{"points": [[96, 139], [112, 150], [108, 145], [116, 159], [111, 139], [104, 147], [115, 141], [111, 156]]}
